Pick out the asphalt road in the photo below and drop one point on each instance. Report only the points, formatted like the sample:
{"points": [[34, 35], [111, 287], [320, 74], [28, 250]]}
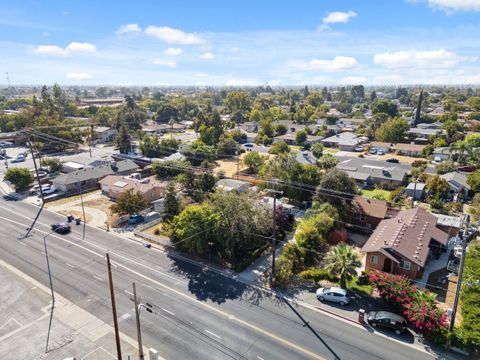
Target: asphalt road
{"points": [[197, 313]]}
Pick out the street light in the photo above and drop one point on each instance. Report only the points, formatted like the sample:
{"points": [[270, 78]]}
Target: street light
{"points": [[51, 287]]}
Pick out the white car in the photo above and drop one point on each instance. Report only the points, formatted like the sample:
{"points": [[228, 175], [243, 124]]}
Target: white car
{"points": [[49, 190], [35, 189], [19, 158], [333, 294]]}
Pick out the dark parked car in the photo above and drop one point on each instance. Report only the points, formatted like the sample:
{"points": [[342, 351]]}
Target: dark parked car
{"points": [[135, 219], [467, 168], [61, 228], [392, 160], [387, 320]]}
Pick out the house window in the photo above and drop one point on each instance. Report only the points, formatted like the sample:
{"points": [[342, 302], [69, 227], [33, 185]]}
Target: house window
{"points": [[374, 259], [404, 265], [360, 216]]}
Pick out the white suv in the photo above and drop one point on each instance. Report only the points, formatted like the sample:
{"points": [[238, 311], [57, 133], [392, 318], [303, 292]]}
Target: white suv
{"points": [[334, 294]]}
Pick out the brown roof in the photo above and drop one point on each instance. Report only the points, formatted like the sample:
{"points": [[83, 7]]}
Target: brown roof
{"points": [[119, 184], [408, 235], [370, 207], [381, 144], [409, 147]]}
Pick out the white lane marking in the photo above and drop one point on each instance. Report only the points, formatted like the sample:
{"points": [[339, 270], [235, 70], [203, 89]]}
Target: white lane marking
{"points": [[179, 293], [22, 243], [128, 292], [124, 316], [33, 288], [213, 334], [9, 321], [98, 278], [260, 358], [70, 265], [167, 311]]}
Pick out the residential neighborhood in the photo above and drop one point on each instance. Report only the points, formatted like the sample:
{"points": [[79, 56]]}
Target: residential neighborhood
{"points": [[160, 201]]}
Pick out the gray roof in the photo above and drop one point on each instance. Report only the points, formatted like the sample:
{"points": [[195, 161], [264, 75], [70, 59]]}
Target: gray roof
{"points": [[96, 172], [455, 179], [419, 131], [361, 169], [418, 186], [447, 220], [232, 183], [344, 138]]}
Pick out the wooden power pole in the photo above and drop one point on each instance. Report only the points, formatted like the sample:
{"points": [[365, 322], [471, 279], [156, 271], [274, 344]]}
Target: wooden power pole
{"points": [[114, 308]]}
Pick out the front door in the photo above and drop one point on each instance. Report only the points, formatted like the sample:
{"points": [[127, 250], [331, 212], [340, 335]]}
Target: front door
{"points": [[387, 265]]}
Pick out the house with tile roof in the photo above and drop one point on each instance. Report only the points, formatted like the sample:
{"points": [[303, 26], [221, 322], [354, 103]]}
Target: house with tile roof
{"points": [[403, 244]]}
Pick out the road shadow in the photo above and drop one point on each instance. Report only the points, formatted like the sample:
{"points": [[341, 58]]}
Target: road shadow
{"points": [[406, 337], [309, 327], [207, 284]]}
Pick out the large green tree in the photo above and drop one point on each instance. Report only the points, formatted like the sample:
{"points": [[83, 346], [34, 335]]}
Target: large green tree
{"points": [[122, 140], [172, 204], [19, 177], [392, 131], [336, 187], [384, 106], [129, 202], [473, 180], [254, 161]]}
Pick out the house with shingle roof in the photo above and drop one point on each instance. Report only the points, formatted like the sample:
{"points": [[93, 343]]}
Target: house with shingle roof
{"points": [[402, 245]]}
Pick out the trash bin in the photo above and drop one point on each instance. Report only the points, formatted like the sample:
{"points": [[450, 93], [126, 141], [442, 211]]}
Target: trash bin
{"points": [[70, 218], [78, 221], [361, 316]]}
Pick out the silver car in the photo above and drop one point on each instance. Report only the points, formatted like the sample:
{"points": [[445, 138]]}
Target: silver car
{"points": [[334, 294]]}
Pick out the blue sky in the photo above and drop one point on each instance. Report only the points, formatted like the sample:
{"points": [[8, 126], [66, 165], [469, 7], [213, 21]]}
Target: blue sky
{"points": [[248, 42]]}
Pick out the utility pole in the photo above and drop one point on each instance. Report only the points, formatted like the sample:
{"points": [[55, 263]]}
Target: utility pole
{"points": [[114, 308], [460, 273], [274, 231], [137, 320], [238, 162], [91, 140], [83, 208], [39, 187], [51, 289]]}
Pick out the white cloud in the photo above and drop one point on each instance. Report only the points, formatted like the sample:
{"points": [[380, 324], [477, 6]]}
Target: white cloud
{"points": [[173, 51], [241, 82], [234, 49], [338, 63], [50, 50], [455, 5], [81, 47], [133, 29], [412, 58], [353, 80], [201, 74], [207, 56], [173, 36], [336, 17], [78, 76], [73, 47], [167, 63]]}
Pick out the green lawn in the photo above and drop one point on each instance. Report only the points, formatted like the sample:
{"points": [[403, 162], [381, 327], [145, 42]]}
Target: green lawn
{"points": [[377, 194]]}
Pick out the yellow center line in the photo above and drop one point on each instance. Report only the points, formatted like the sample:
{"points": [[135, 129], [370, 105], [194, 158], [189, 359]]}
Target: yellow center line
{"points": [[218, 311]]}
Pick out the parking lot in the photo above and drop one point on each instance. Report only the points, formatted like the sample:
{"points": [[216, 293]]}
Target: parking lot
{"points": [[24, 319]]}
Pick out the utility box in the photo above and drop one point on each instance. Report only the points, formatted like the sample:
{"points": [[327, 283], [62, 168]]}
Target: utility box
{"points": [[152, 354], [361, 316]]}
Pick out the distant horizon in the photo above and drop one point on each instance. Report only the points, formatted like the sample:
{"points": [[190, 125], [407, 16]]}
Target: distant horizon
{"points": [[236, 44]]}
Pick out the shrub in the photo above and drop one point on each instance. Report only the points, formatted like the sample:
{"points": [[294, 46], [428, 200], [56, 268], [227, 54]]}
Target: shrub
{"points": [[418, 306], [317, 275]]}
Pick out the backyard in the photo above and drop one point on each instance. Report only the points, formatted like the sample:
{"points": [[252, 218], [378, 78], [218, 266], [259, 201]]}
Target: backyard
{"points": [[377, 194]]}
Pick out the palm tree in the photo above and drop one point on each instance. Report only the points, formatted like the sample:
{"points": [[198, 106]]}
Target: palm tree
{"points": [[342, 261]]}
